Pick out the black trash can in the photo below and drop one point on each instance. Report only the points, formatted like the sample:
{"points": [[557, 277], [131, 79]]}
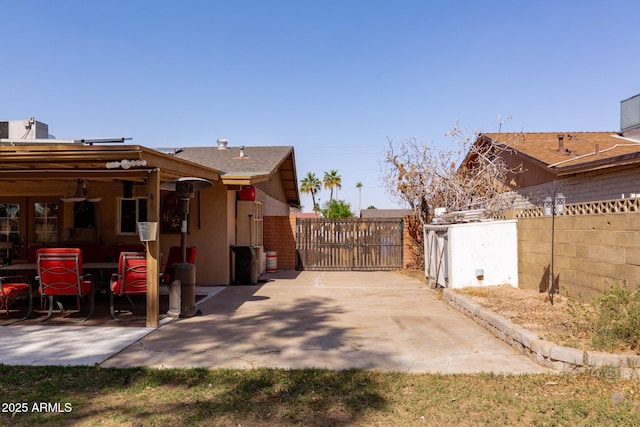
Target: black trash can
{"points": [[246, 265]]}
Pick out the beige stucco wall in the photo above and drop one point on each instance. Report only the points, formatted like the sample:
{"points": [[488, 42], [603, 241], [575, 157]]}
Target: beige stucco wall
{"points": [[210, 238], [211, 233], [592, 251], [208, 233]]}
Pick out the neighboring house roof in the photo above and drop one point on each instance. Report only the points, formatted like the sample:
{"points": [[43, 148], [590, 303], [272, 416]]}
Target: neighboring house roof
{"points": [[305, 214], [578, 151], [256, 165], [385, 213]]}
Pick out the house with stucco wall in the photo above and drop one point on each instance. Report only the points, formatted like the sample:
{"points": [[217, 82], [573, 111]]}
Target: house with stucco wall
{"points": [[585, 166], [267, 176], [593, 244], [118, 184]]}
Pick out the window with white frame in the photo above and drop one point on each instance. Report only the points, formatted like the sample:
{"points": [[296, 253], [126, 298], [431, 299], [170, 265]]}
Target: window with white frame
{"points": [[10, 222], [46, 222]]}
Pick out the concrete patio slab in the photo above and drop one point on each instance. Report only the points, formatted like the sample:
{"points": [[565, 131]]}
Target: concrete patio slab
{"points": [[64, 345], [33, 343], [335, 320]]}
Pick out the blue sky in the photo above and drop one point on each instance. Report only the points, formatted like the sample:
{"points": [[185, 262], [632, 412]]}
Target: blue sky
{"points": [[333, 78]]}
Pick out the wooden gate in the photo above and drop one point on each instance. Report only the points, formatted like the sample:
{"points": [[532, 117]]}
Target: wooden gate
{"points": [[349, 243], [436, 254]]}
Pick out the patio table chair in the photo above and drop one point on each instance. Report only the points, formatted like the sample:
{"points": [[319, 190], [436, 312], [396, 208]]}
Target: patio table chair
{"points": [[130, 280], [12, 289], [59, 273]]}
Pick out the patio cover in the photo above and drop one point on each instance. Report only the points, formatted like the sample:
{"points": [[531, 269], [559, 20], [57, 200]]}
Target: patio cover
{"points": [[29, 164]]}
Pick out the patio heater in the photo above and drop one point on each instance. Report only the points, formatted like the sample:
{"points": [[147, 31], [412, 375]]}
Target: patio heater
{"points": [[182, 289]]}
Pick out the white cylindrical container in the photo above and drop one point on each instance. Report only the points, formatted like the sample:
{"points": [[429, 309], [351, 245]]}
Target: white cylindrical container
{"points": [[272, 261]]}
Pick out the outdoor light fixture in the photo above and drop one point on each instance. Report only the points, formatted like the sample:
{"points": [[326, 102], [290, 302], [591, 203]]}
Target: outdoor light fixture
{"points": [[81, 194], [126, 164], [553, 206]]}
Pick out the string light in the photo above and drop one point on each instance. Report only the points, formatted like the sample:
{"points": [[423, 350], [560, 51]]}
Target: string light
{"points": [[126, 164]]}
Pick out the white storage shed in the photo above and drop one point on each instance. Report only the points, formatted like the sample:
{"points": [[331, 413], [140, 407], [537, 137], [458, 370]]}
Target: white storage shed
{"points": [[482, 253]]}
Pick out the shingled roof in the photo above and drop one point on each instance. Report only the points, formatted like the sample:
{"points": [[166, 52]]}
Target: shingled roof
{"points": [[385, 213], [577, 152], [249, 166]]}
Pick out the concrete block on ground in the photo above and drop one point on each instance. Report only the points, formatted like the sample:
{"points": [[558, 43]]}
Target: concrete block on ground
{"points": [[567, 355], [542, 347]]}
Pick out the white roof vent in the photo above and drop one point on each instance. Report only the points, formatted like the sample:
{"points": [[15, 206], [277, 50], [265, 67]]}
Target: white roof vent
{"points": [[242, 155], [222, 144]]}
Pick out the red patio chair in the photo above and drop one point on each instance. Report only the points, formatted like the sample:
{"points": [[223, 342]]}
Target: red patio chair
{"points": [[13, 288], [125, 247], [130, 280], [175, 256], [60, 273]]}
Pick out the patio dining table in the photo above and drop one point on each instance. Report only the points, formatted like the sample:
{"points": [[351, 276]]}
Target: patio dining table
{"points": [[26, 266], [102, 270], [23, 266]]}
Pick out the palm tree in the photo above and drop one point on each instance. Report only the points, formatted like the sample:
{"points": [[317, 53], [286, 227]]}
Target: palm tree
{"points": [[311, 184], [331, 179], [359, 187]]}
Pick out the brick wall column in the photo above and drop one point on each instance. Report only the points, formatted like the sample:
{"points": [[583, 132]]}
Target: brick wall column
{"points": [[279, 236], [413, 243]]}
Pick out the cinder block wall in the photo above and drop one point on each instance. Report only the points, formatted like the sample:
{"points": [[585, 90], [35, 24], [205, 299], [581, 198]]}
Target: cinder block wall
{"points": [[592, 251], [279, 235]]}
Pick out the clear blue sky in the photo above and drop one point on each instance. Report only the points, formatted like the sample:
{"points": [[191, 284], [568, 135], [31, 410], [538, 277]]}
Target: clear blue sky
{"points": [[333, 78]]}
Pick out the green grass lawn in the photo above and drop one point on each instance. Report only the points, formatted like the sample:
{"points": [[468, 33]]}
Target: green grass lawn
{"points": [[93, 396]]}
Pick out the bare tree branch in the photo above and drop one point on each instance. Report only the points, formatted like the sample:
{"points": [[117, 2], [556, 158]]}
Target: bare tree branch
{"points": [[471, 175]]}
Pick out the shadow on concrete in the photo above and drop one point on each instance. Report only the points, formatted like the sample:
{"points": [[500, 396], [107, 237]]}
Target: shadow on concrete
{"points": [[101, 316], [240, 329], [307, 320], [279, 275]]}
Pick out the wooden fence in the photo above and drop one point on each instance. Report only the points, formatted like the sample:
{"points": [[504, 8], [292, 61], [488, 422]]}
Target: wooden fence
{"points": [[349, 243]]}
